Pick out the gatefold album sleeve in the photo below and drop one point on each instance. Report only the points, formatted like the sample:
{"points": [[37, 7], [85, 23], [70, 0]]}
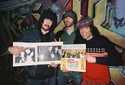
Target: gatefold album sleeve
{"points": [[37, 53]]}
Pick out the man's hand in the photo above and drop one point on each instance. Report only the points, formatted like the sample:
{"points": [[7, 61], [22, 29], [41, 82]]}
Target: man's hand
{"points": [[58, 40], [53, 64], [104, 54], [64, 70], [15, 50], [90, 59]]}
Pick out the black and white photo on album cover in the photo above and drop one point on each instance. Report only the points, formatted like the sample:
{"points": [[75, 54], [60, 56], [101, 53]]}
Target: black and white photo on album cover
{"points": [[37, 53]]}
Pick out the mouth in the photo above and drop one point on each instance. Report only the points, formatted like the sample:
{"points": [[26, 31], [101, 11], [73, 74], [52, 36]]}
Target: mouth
{"points": [[47, 26], [67, 22]]}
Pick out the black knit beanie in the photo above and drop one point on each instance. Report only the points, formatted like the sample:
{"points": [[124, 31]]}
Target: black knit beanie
{"points": [[49, 14]]}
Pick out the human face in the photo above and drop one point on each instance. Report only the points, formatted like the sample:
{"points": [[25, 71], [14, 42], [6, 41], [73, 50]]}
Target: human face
{"points": [[46, 24], [68, 21], [86, 33], [28, 51]]}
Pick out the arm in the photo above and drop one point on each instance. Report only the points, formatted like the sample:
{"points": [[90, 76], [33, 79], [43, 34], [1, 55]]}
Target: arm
{"points": [[114, 57], [103, 54], [110, 60], [4, 49], [4, 52], [15, 50], [7, 50], [91, 57]]}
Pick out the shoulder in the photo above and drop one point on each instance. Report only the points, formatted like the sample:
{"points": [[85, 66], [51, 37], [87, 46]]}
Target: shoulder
{"points": [[29, 33], [103, 39], [60, 32], [30, 30], [52, 34]]}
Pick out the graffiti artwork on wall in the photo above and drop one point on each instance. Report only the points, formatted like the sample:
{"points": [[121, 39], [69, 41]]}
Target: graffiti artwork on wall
{"points": [[108, 15]]}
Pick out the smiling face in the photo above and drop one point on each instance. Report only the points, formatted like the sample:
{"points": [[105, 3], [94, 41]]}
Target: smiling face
{"points": [[86, 33], [68, 21], [46, 24]]}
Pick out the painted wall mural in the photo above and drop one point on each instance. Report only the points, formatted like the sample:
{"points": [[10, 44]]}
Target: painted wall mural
{"points": [[108, 15], [118, 19]]}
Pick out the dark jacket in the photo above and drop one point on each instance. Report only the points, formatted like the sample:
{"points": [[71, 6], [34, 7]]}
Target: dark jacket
{"points": [[35, 35]]}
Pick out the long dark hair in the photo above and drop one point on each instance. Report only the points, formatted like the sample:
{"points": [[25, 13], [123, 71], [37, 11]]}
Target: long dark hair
{"points": [[94, 30], [79, 39]]}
